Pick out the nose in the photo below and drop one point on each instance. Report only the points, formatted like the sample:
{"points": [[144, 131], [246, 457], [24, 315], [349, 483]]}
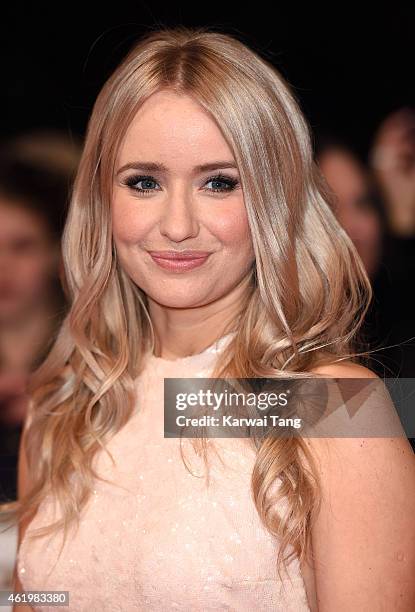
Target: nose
{"points": [[179, 217]]}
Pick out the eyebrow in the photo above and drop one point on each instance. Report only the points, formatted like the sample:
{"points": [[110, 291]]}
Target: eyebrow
{"points": [[156, 167]]}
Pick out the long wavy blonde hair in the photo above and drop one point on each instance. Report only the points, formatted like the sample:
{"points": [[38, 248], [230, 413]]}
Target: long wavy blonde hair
{"points": [[306, 302]]}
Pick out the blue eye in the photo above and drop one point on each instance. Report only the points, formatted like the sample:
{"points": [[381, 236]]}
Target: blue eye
{"points": [[132, 181], [226, 180]]}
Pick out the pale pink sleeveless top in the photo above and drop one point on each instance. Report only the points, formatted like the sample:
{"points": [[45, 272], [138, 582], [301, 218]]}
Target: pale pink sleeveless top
{"points": [[165, 540]]}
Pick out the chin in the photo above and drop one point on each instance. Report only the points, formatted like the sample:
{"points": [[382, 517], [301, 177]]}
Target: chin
{"points": [[178, 299]]}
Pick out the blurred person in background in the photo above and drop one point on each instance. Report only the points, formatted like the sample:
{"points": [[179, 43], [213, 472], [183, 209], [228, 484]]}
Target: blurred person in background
{"points": [[392, 161], [376, 206], [36, 171], [35, 176], [358, 208]]}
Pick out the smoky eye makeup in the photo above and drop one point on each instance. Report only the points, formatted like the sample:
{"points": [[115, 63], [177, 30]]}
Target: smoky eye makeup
{"points": [[222, 183]]}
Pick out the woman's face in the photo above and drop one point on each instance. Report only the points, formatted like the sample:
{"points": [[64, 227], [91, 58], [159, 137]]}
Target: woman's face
{"points": [[184, 207], [28, 261]]}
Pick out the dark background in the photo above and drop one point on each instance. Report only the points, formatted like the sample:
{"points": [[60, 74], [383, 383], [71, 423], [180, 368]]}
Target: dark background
{"points": [[348, 69]]}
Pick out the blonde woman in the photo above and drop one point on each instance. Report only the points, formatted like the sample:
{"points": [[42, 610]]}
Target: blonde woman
{"points": [[200, 242]]}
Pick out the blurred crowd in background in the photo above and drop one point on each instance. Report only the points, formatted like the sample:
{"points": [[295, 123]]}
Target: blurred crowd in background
{"points": [[374, 202]]}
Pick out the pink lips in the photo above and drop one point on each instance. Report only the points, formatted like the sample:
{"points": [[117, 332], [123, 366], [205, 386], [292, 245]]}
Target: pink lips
{"points": [[179, 261]]}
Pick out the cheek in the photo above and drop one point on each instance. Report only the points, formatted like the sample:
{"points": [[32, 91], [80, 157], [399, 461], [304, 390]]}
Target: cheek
{"points": [[227, 226], [128, 224], [233, 230]]}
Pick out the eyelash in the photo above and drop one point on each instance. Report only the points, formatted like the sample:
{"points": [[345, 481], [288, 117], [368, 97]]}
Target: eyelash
{"points": [[132, 180]]}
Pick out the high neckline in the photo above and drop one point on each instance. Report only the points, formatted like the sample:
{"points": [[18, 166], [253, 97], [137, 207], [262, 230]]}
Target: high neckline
{"points": [[212, 349]]}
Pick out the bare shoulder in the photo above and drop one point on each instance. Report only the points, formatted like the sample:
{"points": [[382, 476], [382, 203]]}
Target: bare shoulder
{"points": [[364, 530], [343, 369], [396, 448]]}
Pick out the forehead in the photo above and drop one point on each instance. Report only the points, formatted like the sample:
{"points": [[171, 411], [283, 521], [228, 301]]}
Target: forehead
{"points": [[173, 129]]}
